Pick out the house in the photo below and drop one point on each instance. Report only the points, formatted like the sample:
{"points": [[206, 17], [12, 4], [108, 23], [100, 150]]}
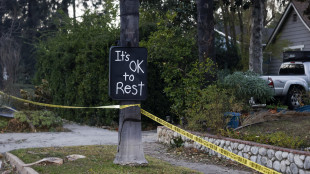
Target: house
{"points": [[292, 29]]}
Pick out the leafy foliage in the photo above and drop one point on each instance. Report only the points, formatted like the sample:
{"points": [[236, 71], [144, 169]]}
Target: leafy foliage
{"points": [[75, 63], [246, 85], [172, 52], [3, 123], [206, 112], [177, 142], [186, 11], [42, 94], [39, 119]]}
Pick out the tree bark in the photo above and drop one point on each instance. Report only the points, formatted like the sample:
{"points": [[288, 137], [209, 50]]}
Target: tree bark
{"points": [[241, 29], [205, 29], [225, 21], [130, 148], [74, 11], [232, 25], [256, 49]]}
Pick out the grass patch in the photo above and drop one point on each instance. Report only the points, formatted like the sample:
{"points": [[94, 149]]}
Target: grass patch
{"points": [[290, 132], [293, 126], [99, 159]]}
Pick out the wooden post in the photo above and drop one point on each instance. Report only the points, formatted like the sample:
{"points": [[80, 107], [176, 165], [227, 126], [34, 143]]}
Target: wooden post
{"points": [[130, 147]]}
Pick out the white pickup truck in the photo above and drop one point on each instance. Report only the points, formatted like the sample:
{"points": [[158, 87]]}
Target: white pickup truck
{"points": [[293, 80]]}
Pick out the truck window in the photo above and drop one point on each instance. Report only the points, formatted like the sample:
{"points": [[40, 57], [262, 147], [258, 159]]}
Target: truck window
{"points": [[292, 69]]}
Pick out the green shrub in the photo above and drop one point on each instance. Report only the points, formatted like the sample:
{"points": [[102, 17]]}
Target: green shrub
{"points": [[39, 119], [172, 52], [208, 108], [3, 123], [75, 62], [305, 98], [245, 85], [177, 142], [41, 94]]}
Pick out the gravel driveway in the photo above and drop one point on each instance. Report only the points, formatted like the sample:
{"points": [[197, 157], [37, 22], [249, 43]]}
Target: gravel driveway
{"points": [[85, 135]]}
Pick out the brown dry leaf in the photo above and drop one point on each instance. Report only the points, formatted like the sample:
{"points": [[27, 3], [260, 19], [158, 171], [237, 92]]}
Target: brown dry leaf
{"points": [[273, 111]]}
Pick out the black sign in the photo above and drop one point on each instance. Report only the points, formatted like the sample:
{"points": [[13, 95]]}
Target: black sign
{"points": [[128, 73]]}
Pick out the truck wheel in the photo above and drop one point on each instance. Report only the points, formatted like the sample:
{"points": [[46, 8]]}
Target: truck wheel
{"points": [[294, 98]]}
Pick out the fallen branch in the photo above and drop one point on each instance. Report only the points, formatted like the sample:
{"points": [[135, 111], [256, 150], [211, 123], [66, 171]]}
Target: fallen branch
{"points": [[46, 160]]}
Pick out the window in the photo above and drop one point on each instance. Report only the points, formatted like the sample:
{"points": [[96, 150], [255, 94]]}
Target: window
{"points": [[292, 69]]}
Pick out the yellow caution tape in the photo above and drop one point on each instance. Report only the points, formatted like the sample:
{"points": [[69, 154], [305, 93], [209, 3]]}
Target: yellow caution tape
{"points": [[68, 107], [193, 137], [126, 106], [214, 147]]}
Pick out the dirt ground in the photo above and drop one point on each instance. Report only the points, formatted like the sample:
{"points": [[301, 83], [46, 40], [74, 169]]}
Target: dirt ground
{"points": [[294, 124], [193, 159]]}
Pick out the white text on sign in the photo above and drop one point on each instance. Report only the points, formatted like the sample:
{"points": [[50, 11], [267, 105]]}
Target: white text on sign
{"points": [[135, 68]]}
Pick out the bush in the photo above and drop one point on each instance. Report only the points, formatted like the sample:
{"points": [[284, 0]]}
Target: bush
{"points": [[3, 123], [41, 94], [245, 85], [39, 119], [75, 62], [207, 110], [177, 142], [171, 52]]}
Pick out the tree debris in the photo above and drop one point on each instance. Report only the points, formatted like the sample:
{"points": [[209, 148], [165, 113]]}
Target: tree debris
{"points": [[55, 160], [74, 157]]}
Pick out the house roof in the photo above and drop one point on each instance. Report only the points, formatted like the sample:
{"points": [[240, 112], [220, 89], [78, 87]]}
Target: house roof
{"points": [[299, 8]]}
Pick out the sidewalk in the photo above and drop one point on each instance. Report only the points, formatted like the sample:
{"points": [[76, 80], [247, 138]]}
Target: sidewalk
{"points": [[79, 135], [85, 135]]}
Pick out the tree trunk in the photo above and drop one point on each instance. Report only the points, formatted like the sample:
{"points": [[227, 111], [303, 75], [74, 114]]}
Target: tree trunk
{"points": [[205, 29], [256, 49], [64, 6], [244, 58], [225, 21], [130, 148], [241, 29], [232, 25], [74, 11]]}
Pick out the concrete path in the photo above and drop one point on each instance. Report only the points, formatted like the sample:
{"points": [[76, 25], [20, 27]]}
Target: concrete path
{"points": [[85, 135], [79, 135]]}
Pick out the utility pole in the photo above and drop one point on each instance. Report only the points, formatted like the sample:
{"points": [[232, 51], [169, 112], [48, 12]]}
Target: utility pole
{"points": [[130, 147]]}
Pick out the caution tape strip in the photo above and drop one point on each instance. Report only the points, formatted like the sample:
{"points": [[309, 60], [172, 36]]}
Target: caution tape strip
{"points": [[209, 145], [193, 137], [68, 107]]}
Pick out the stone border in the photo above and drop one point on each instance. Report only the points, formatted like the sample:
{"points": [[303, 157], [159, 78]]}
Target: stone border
{"points": [[15, 161], [280, 159]]}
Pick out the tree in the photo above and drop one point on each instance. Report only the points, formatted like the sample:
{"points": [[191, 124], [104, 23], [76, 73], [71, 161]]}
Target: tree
{"points": [[9, 62], [130, 148], [256, 49], [205, 28], [75, 63], [32, 20]]}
